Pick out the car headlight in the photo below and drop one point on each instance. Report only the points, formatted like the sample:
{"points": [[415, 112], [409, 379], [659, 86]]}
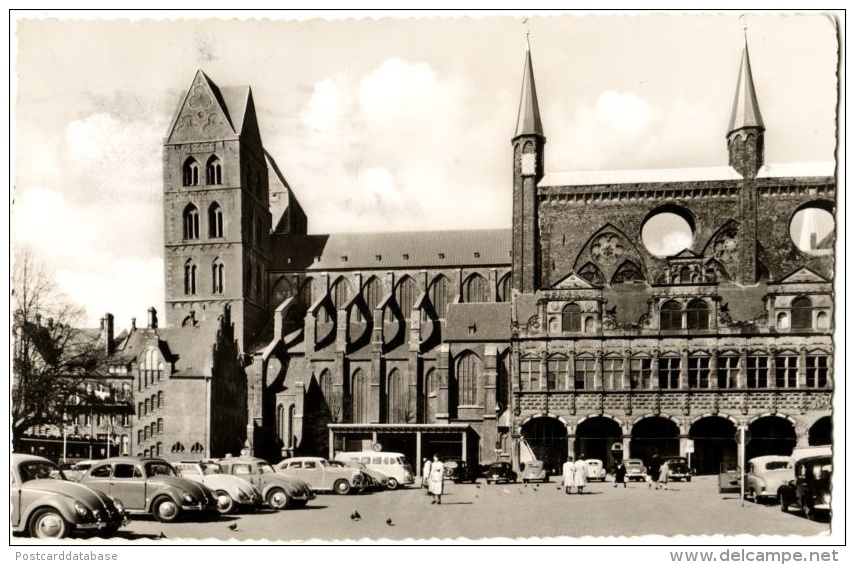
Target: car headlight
{"points": [[408, 477], [188, 498], [242, 494], [82, 509], [120, 506], [826, 498]]}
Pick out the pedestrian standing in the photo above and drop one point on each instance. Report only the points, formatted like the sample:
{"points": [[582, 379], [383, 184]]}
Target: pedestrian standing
{"points": [[662, 480], [620, 474], [580, 475], [437, 476], [567, 473], [425, 475], [653, 470]]}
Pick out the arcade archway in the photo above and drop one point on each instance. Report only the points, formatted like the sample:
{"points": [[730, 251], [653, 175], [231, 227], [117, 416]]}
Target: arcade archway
{"points": [[547, 437], [820, 432], [652, 436], [713, 437], [594, 438], [770, 435]]}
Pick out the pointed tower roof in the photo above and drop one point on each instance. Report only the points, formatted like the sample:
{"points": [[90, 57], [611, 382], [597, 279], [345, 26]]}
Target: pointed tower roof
{"points": [[528, 119], [746, 110]]}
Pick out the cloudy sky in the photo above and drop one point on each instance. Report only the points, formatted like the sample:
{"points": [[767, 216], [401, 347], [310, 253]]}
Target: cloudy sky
{"points": [[383, 124]]}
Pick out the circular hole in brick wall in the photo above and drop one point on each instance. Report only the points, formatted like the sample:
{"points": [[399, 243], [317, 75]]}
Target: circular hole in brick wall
{"points": [[812, 230], [667, 233]]}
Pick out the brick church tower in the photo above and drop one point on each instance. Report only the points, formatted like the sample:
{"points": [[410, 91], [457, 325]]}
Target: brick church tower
{"points": [[216, 216]]}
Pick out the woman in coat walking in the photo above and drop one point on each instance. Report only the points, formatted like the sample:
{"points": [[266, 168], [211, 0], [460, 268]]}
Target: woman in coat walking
{"points": [[581, 473], [437, 476], [620, 474], [568, 475]]}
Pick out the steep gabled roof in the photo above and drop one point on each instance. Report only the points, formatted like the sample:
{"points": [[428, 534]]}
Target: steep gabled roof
{"points": [[207, 113], [386, 250]]}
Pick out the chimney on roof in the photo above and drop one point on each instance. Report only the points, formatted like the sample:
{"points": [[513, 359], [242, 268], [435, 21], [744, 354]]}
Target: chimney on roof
{"points": [[152, 318], [133, 324], [107, 328]]}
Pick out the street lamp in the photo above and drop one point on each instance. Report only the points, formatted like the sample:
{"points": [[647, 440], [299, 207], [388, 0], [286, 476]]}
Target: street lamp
{"points": [[498, 441]]}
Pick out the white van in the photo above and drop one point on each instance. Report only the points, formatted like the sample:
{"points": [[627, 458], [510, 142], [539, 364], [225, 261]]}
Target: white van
{"points": [[393, 465]]}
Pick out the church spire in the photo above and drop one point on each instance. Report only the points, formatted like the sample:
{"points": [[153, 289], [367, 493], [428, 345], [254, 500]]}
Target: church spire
{"points": [[746, 110], [528, 119]]}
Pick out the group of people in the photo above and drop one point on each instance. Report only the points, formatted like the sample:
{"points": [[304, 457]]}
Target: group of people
{"points": [[575, 474], [433, 475]]}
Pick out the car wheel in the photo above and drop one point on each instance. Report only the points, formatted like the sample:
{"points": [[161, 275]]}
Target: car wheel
{"points": [[278, 499], [391, 483], [48, 523], [525, 481], [341, 486], [225, 503], [688, 479], [165, 509]]}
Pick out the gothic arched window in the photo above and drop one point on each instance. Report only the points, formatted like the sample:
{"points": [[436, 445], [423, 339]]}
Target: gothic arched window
{"points": [[468, 370], [372, 294], [215, 220], [438, 292], [214, 171], [399, 411], [360, 397], [405, 295], [504, 289], [190, 172], [191, 222], [189, 277], [476, 289], [218, 276]]}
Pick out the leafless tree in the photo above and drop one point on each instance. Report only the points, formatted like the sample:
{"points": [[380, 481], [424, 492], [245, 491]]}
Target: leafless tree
{"points": [[52, 358]]}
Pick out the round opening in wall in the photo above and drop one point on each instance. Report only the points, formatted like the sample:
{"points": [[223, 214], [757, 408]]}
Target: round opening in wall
{"points": [[666, 233], [812, 230]]}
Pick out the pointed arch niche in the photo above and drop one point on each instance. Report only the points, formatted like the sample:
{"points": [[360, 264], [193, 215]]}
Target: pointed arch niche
{"points": [[610, 254]]}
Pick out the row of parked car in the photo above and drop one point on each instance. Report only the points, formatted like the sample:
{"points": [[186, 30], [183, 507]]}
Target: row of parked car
{"points": [[98, 496]]}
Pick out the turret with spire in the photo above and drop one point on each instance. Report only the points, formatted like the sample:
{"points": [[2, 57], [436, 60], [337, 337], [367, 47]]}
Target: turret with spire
{"points": [[528, 142], [745, 134], [745, 151]]}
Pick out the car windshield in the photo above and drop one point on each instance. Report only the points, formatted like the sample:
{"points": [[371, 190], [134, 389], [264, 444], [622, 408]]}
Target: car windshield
{"points": [[633, 463], [31, 470], [340, 464], [159, 469], [266, 468], [212, 469], [323, 463]]}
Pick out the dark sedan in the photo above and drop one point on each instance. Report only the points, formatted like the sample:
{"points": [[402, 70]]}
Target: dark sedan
{"points": [[459, 471], [500, 472], [810, 490]]}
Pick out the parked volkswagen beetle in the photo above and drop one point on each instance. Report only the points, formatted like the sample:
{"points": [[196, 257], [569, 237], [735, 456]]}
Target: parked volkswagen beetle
{"points": [[151, 486], [45, 504], [233, 493], [278, 491]]}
